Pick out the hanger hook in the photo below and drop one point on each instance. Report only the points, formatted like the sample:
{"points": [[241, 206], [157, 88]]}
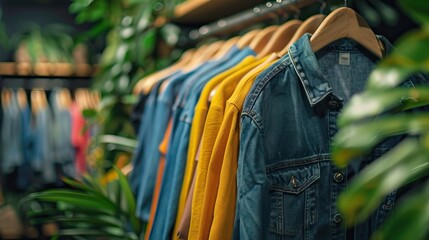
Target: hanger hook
{"points": [[345, 3], [323, 6]]}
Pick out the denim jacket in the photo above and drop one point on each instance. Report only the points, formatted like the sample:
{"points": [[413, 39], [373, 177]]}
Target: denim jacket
{"points": [[287, 185]]}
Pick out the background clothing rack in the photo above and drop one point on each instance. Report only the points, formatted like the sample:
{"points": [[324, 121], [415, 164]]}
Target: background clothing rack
{"points": [[45, 83], [239, 21]]}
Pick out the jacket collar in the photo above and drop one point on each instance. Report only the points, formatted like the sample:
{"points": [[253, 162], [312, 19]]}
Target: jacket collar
{"points": [[305, 64]]}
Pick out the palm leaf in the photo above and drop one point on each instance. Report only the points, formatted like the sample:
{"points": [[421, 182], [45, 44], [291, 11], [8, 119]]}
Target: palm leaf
{"points": [[373, 103], [359, 139], [405, 163], [75, 198]]}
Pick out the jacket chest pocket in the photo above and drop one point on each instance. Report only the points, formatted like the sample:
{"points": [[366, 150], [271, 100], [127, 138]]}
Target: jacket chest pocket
{"points": [[293, 196]]}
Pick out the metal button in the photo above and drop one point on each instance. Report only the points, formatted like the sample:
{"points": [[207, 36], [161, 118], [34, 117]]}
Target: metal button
{"points": [[338, 218], [334, 105], [294, 182], [338, 177]]}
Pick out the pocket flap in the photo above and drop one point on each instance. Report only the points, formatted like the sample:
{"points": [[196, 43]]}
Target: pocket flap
{"points": [[294, 179]]}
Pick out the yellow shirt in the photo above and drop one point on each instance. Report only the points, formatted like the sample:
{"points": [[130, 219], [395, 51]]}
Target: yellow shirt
{"points": [[206, 178], [225, 156], [197, 127]]}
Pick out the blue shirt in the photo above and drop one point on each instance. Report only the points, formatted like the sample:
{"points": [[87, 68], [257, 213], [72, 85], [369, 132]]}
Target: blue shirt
{"points": [[11, 136], [151, 155]]}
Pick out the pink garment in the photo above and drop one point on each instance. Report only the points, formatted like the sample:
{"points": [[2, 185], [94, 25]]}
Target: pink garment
{"points": [[79, 139]]}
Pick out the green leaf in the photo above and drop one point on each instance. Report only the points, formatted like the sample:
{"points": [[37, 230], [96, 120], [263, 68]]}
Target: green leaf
{"points": [[109, 233], [126, 143], [90, 189], [126, 190], [358, 139], [409, 220], [411, 55], [417, 9], [372, 103], [89, 113], [91, 221], [405, 163], [387, 77], [4, 39], [94, 32], [75, 198]]}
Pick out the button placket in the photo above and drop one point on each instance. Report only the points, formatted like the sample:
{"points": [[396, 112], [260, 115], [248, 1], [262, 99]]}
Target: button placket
{"points": [[338, 218], [338, 177]]}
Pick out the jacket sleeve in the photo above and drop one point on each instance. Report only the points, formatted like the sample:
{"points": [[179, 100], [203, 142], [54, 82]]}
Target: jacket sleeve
{"points": [[252, 186]]}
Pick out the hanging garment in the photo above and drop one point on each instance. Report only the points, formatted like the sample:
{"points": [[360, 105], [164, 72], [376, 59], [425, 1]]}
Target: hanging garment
{"points": [[176, 157], [143, 138], [43, 142], [204, 192], [79, 138], [287, 185], [151, 154], [221, 180], [12, 150], [25, 170], [180, 102], [163, 148], [64, 153], [201, 110], [137, 113]]}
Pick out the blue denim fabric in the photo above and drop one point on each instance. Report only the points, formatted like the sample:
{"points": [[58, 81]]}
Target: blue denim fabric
{"points": [[287, 185], [63, 150], [143, 138], [152, 155], [11, 136], [177, 153], [25, 172], [43, 160]]}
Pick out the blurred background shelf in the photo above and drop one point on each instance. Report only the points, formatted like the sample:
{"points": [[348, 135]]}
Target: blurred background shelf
{"points": [[47, 70], [199, 12]]}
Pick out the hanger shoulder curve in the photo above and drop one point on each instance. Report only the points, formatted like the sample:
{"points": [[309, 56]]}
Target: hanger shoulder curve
{"points": [[247, 38], [281, 37], [308, 26], [346, 23], [262, 38]]}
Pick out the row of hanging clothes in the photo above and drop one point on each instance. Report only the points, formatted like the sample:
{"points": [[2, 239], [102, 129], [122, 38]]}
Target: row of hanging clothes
{"points": [[234, 138], [43, 138]]}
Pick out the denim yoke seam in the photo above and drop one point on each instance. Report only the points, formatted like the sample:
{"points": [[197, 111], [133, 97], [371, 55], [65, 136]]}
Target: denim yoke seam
{"points": [[254, 94]]}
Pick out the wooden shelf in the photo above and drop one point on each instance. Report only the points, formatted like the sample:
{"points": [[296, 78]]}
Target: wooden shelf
{"points": [[199, 12], [46, 70]]}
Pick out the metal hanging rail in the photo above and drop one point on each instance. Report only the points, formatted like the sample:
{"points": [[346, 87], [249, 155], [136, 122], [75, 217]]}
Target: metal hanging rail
{"points": [[257, 14]]}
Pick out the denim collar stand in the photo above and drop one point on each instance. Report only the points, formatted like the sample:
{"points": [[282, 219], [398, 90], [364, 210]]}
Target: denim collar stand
{"points": [[305, 64]]}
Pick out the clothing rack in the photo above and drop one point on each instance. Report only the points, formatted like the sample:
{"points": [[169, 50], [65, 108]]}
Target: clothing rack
{"points": [[257, 14], [46, 82]]}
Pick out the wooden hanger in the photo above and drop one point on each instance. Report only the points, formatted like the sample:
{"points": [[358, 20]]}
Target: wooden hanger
{"points": [[38, 100], [281, 37], [22, 98], [226, 47], [346, 23], [308, 26], [67, 99], [93, 95], [262, 37], [208, 52], [80, 98], [149, 81], [6, 97], [247, 38]]}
